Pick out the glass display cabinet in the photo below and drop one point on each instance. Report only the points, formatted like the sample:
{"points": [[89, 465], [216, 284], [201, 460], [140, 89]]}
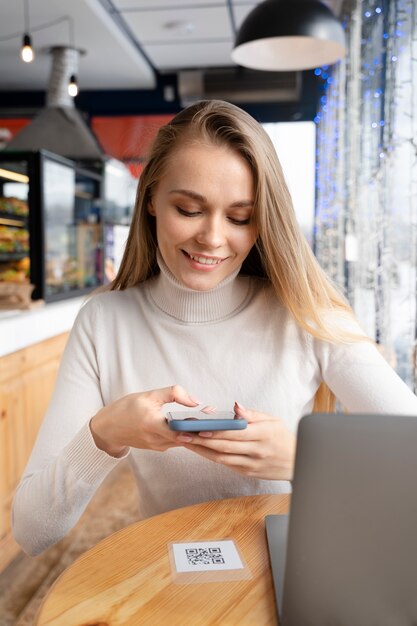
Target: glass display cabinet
{"points": [[119, 191], [50, 225]]}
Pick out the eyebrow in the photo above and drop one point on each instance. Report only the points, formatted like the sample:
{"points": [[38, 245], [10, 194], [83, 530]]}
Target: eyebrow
{"points": [[197, 196]]}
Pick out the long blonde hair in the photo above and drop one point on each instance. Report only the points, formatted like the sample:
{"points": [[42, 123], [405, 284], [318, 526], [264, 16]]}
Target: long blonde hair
{"points": [[281, 253]]}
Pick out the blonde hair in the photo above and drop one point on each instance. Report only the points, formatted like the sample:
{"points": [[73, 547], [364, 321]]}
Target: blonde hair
{"points": [[281, 253]]}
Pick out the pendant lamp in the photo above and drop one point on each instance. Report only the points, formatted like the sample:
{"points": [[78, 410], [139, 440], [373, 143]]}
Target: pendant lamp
{"points": [[73, 86], [27, 51], [286, 35]]}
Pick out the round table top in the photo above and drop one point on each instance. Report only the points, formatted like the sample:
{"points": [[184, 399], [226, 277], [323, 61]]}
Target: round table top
{"points": [[127, 578]]}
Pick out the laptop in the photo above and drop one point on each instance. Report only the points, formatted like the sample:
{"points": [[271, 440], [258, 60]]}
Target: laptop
{"points": [[347, 555]]}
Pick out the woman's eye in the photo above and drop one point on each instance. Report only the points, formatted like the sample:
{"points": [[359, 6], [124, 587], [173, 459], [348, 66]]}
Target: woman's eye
{"points": [[232, 220], [187, 213], [239, 222]]}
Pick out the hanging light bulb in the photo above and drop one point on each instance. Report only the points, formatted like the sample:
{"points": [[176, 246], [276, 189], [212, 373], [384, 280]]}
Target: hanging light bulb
{"points": [[73, 86], [27, 51]]}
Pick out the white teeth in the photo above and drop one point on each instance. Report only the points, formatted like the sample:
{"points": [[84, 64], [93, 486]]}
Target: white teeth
{"points": [[204, 260]]}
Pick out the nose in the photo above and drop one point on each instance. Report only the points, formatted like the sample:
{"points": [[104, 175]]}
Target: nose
{"points": [[212, 231]]}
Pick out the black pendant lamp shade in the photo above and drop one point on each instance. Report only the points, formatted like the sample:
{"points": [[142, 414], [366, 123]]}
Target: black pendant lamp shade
{"points": [[285, 35]]}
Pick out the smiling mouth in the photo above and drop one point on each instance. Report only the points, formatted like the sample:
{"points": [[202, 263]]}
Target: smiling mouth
{"points": [[203, 260]]}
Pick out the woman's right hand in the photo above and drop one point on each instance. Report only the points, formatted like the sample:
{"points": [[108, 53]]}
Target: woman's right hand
{"points": [[136, 421]]}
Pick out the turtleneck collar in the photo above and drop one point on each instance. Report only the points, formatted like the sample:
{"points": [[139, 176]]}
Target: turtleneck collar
{"points": [[188, 305]]}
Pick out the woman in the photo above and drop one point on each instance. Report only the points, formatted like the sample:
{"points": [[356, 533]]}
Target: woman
{"points": [[220, 297]]}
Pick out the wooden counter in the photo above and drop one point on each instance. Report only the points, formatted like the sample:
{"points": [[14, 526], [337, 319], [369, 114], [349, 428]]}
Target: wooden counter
{"points": [[31, 345], [26, 381]]}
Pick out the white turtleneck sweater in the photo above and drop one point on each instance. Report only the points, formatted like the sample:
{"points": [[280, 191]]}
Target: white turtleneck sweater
{"points": [[235, 342]]}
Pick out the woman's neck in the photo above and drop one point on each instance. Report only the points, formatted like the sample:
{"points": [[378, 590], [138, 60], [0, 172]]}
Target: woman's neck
{"points": [[190, 306]]}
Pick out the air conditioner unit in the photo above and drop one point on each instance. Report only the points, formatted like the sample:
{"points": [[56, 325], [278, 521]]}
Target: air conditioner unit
{"points": [[238, 85]]}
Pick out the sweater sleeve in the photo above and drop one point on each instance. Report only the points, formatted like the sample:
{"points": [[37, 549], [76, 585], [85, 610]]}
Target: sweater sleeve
{"points": [[362, 380], [65, 467]]}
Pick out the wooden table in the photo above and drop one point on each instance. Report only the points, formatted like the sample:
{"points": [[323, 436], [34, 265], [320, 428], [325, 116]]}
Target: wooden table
{"points": [[126, 579]]}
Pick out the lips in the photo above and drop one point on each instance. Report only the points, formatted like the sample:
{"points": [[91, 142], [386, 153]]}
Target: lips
{"points": [[204, 260]]}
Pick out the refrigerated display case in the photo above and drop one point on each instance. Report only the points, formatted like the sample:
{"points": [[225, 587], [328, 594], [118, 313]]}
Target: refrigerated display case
{"points": [[50, 224], [119, 191]]}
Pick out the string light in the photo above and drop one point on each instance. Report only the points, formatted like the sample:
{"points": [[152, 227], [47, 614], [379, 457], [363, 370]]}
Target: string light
{"points": [[366, 174], [27, 53]]}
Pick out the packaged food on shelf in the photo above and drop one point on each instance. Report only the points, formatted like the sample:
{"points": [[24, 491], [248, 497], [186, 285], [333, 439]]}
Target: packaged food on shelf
{"points": [[13, 239], [14, 206], [15, 272]]}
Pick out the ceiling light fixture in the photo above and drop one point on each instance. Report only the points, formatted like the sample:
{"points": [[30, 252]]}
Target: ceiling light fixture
{"points": [[27, 51], [73, 86], [286, 35], [73, 83], [183, 27], [20, 178]]}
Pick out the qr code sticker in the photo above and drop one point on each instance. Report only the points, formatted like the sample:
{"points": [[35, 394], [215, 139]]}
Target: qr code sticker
{"points": [[205, 556]]}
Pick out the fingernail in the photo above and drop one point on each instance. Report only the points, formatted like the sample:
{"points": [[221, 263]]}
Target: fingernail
{"points": [[239, 406], [205, 433], [208, 409], [184, 438], [194, 400]]}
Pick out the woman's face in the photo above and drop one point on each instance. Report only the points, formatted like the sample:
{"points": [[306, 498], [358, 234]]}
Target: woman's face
{"points": [[203, 207]]}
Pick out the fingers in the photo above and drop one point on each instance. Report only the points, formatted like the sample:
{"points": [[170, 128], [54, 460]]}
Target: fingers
{"points": [[250, 415], [241, 448], [208, 409], [237, 462], [244, 434], [265, 449], [175, 393]]}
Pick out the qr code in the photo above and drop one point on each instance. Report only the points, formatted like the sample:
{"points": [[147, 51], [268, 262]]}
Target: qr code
{"points": [[204, 556]]}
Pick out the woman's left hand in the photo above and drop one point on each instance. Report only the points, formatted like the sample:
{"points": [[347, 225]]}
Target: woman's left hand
{"points": [[265, 449]]}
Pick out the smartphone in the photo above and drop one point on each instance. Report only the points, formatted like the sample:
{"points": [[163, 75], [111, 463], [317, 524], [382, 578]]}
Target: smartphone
{"points": [[196, 421]]}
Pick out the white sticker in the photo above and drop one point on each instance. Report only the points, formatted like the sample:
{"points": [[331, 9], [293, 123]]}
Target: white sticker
{"points": [[206, 556]]}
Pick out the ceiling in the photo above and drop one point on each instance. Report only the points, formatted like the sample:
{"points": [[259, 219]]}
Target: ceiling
{"points": [[127, 43]]}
